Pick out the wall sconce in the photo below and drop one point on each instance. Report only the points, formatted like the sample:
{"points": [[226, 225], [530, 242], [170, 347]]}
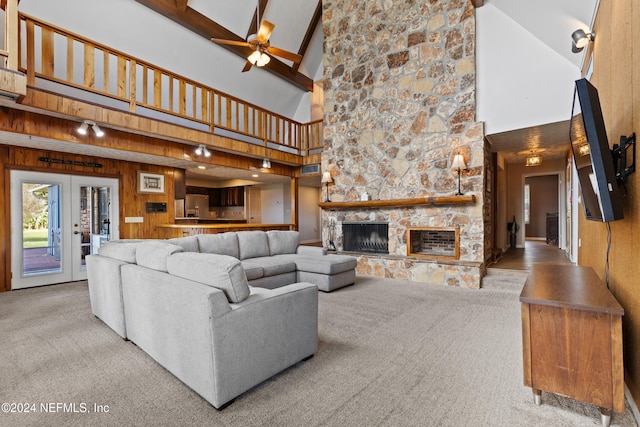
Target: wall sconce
{"points": [[534, 160], [458, 163], [266, 164], [326, 179], [202, 149], [84, 127], [579, 39]]}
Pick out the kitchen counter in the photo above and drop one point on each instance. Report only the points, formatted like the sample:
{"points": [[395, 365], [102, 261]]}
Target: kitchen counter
{"points": [[181, 230], [196, 220]]}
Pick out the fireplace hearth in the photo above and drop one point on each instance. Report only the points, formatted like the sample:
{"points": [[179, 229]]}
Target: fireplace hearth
{"points": [[366, 237]]}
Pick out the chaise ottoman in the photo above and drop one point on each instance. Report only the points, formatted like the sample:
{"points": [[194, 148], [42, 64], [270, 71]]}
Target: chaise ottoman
{"points": [[328, 272]]}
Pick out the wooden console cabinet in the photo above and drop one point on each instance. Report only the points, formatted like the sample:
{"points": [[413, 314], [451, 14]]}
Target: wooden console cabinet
{"points": [[572, 337]]}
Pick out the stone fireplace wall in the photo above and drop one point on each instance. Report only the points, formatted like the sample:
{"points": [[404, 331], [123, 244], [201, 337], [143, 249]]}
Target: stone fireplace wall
{"points": [[399, 86]]}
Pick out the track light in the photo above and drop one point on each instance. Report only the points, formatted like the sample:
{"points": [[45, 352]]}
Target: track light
{"points": [[99, 132], [266, 164], [84, 128], [202, 150]]}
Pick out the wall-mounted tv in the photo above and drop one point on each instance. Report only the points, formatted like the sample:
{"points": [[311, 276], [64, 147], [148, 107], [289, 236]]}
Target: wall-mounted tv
{"points": [[601, 198]]}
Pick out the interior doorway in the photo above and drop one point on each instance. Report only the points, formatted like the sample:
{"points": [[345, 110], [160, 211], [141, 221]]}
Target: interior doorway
{"points": [[543, 206], [56, 221]]}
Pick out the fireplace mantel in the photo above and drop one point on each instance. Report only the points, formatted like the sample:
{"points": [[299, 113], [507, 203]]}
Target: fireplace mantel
{"points": [[417, 201]]}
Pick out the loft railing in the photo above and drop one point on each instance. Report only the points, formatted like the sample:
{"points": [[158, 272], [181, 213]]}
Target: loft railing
{"points": [[59, 57]]}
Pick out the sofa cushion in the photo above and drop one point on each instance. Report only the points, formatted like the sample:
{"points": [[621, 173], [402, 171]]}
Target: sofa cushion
{"points": [[252, 244], [283, 242], [221, 244], [271, 266], [123, 250], [252, 271], [188, 244], [330, 264], [219, 271], [153, 254]]}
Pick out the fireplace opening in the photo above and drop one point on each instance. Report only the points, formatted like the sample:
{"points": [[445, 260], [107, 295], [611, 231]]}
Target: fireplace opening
{"points": [[433, 242], [369, 237]]}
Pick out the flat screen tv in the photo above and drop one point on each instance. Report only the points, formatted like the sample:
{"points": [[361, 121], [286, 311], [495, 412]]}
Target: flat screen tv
{"points": [[601, 197]]}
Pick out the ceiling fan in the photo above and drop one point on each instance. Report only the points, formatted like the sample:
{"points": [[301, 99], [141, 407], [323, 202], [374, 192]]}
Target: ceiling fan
{"points": [[261, 47]]}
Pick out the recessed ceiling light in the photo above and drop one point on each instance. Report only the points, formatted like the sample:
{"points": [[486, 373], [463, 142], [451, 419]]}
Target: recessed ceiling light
{"points": [[201, 167], [255, 175]]}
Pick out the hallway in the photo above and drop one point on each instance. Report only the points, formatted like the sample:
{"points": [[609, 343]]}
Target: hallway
{"points": [[535, 252]]}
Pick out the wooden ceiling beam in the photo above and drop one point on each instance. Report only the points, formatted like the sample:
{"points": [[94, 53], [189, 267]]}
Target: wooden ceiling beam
{"points": [[317, 17], [253, 27], [205, 27], [477, 3], [181, 4]]}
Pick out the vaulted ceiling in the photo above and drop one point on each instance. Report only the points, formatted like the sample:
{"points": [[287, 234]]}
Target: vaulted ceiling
{"points": [[147, 29], [295, 27]]}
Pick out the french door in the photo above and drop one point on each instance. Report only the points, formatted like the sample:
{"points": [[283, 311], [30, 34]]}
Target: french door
{"points": [[56, 221]]}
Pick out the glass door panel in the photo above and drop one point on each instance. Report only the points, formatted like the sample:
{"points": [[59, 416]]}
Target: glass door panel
{"points": [[41, 228], [92, 224]]}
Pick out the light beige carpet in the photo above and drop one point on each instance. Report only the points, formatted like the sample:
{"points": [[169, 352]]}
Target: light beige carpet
{"points": [[391, 353]]}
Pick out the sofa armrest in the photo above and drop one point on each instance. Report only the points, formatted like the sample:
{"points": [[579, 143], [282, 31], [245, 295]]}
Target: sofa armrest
{"points": [[311, 250], [268, 332], [105, 291]]}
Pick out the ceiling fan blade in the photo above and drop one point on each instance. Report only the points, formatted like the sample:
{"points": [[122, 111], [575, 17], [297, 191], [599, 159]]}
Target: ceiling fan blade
{"points": [[266, 28], [247, 67], [284, 54], [231, 42]]}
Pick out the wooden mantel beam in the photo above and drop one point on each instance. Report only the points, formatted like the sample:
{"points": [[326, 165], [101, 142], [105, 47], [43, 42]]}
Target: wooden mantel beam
{"points": [[205, 27]]}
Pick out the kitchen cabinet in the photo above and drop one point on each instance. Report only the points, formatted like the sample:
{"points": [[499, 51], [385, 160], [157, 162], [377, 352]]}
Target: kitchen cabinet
{"points": [[220, 197]]}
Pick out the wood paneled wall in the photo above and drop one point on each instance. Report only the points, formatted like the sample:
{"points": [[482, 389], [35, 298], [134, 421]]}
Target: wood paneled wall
{"points": [[616, 75], [132, 203]]}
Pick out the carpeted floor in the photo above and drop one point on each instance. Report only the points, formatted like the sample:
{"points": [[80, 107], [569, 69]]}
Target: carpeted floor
{"points": [[391, 353]]}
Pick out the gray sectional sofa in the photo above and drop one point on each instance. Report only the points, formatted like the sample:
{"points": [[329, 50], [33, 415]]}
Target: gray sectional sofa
{"points": [[217, 311]]}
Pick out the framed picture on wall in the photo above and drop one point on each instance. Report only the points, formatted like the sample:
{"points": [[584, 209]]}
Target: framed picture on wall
{"points": [[151, 183]]}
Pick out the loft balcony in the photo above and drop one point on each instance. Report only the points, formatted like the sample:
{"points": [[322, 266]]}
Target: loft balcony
{"points": [[51, 71]]}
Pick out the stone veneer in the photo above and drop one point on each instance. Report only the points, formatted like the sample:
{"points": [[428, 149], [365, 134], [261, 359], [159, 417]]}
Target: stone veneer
{"points": [[399, 87]]}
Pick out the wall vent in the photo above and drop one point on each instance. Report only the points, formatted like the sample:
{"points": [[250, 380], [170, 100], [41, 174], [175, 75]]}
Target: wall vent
{"points": [[310, 169]]}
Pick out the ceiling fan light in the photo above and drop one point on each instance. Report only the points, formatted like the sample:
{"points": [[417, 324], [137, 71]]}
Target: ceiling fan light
{"points": [[264, 60], [255, 57]]}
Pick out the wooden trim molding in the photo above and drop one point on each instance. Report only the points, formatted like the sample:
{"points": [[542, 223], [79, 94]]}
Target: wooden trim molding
{"points": [[418, 201]]}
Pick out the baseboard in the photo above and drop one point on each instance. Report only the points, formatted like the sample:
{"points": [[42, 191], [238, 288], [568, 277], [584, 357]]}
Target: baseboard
{"points": [[632, 403]]}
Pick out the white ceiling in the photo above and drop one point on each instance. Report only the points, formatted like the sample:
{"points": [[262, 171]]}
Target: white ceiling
{"points": [[551, 21], [132, 28]]}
